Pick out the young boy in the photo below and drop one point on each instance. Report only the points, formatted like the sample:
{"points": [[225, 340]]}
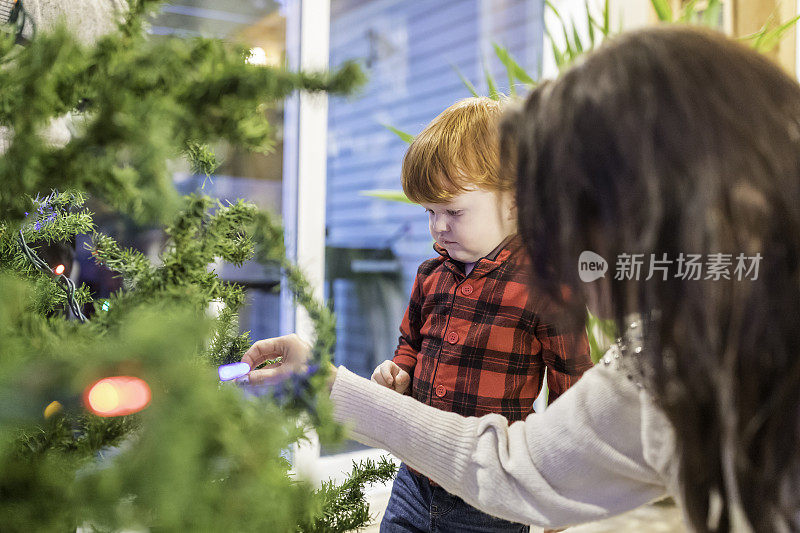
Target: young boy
{"points": [[474, 339]]}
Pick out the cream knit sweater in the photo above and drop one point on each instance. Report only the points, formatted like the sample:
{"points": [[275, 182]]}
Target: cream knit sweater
{"points": [[603, 448], [88, 19]]}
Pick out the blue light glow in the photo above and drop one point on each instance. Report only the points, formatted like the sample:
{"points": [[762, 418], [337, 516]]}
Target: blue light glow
{"points": [[233, 371]]}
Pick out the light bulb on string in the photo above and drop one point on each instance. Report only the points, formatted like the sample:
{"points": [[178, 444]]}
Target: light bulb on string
{"points": [[52, 409], [233, 371], [59, 269], [117, 396], [258, 56]]}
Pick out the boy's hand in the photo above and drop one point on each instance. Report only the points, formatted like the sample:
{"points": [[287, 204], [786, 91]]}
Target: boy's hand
{"points": [[392, 376]]}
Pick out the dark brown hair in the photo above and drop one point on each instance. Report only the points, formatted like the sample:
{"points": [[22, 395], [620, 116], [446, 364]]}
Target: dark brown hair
{"points": [[675, 140]]}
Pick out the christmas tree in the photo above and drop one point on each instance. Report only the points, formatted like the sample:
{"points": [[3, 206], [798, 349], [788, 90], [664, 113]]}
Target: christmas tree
{"points": [[200, 455]]}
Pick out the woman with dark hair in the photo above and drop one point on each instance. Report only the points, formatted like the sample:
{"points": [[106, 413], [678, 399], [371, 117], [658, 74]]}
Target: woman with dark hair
{"points": [[664, 145]]}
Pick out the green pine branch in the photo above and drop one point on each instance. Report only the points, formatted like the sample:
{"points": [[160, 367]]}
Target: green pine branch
{"points": [[136, 103], [200, 456], [343, 506]]}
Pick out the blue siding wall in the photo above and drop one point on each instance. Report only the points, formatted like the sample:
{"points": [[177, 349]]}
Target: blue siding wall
{"points": [[410, 48]]}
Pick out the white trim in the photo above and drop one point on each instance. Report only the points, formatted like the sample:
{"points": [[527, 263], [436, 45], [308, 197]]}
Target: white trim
{"points": [[312, 151], [291, 112], [304, 178], [305, 156], [797, 44]]}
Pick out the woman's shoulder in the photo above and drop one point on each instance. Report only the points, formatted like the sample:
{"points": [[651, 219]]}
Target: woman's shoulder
{"points": [[620, 406]]}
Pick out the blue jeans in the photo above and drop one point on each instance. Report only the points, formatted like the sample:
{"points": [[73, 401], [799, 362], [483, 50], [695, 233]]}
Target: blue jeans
{"points": [[417, 506]]}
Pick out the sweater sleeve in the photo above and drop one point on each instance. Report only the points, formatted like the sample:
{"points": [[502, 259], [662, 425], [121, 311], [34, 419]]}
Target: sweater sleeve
{"points": [[88, 19], [582, 459]]}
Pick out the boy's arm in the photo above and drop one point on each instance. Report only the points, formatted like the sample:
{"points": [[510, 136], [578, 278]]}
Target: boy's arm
{"points": [[567, 358], [565, 352], [410, 342]]}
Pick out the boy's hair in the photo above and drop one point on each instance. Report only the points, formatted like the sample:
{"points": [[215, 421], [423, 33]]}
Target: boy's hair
{"points": [[459, 149]]}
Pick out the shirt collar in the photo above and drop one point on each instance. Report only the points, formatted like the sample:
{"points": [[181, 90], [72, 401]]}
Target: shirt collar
{"points": [[492, 256], [508, 247]]}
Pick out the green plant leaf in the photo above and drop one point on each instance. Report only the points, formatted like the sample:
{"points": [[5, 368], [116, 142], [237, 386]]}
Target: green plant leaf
{"points": [[465, 81], [761, 34], [663, 10], [603, 26], [687, 12], [558, 55], [569, 51], [387, 194], [552, 8], [512, 90], [494, 94], [601, 334], [768, 39], [576, 38], [512, 66], [711, 13], [407, 137], [756, 38]]}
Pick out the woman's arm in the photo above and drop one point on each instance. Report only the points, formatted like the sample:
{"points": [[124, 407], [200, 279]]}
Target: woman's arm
{"points": [[582, 459], [87, 19]]}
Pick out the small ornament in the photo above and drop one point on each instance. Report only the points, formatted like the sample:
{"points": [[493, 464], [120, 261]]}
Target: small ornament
{"points": [[233, 371], [52, 409], [117, 396]]}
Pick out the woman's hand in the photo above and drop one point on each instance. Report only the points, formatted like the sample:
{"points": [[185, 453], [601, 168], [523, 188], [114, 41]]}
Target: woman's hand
{"points": [[293, 352]]}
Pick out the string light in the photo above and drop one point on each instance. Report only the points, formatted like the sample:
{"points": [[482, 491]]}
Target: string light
{"points": [[52, 408], [258, 56], [59, 269], [66, 284], [233, 371], [117, 396]]}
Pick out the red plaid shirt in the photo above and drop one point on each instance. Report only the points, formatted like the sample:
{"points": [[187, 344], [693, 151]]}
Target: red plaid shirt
{"points": [[477, 344]]}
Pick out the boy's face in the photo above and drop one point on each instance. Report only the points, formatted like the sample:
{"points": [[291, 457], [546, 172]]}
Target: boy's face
{"points": [[473, 223]]}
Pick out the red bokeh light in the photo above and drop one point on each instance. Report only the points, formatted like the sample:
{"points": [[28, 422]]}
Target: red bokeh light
{"points": [[117, 396]]}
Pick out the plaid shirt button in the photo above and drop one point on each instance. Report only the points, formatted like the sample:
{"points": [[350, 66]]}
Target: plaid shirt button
{"points": [[501, 317]]}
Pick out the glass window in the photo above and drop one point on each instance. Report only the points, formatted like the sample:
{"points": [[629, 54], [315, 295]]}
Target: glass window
{"points": [[257, 178], [413, 53]]}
